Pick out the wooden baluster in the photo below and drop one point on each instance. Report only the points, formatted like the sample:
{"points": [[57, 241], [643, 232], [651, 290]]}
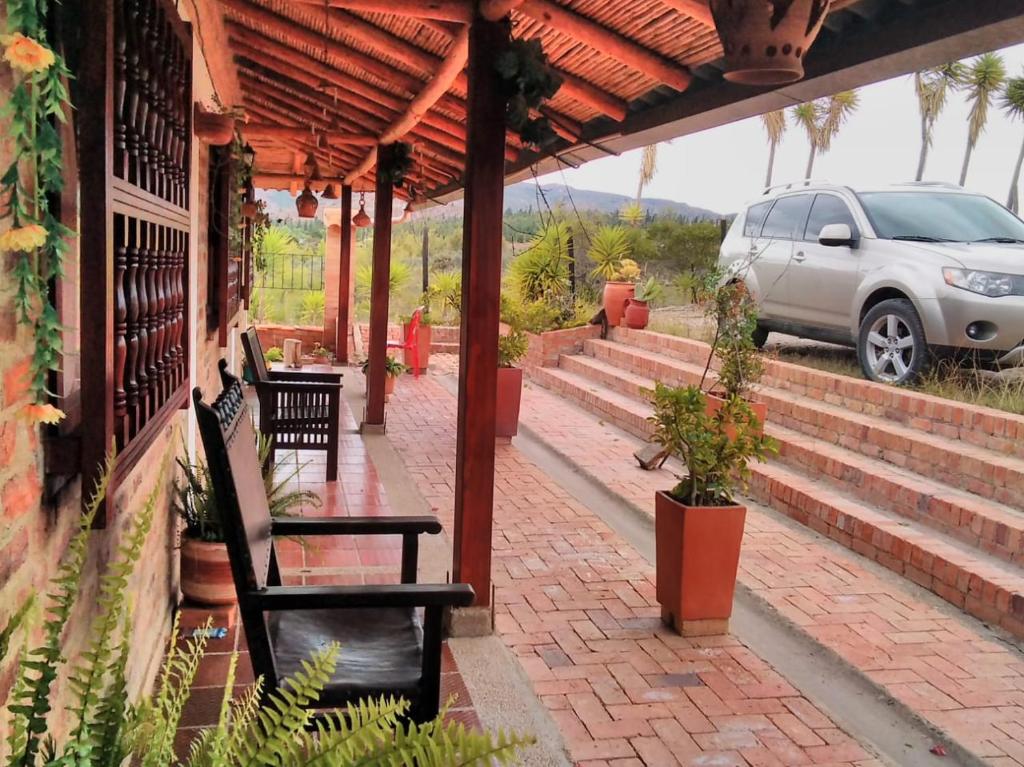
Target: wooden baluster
{"points": [[183, 125], [153, 320], [168, 45], [179, 281], [171, 313], [157, 307], [120, 86], [132, 335], [162, 285], [142, 374], [120, 330], [132, 86], [156, 77], [142, 116]]}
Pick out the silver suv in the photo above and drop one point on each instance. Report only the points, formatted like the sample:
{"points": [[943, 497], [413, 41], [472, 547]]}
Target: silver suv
{"points": [[904, 273]]}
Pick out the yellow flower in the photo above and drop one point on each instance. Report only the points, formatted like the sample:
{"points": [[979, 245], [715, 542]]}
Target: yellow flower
{"points": [[26, 54], [23, 238], [44, 414]]}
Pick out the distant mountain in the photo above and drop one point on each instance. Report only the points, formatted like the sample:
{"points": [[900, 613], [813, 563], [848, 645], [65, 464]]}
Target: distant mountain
{"points": [[524, 197]]}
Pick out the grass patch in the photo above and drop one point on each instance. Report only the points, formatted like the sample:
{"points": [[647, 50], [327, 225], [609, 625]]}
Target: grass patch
{"points": [[695, 329], [828, 360], [973, 388]]}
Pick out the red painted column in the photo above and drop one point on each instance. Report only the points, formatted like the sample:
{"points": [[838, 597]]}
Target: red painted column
{"points": [[481, 293], [344, 278], [373, 419]]}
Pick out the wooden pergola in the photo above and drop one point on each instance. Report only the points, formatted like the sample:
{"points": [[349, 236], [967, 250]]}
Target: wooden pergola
{"points": [[344, 80]]}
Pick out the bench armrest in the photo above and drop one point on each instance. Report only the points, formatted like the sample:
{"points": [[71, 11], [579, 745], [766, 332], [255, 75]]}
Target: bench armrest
{"points": [[355, 525], [342, 597], [307, 376], [297, 386]]}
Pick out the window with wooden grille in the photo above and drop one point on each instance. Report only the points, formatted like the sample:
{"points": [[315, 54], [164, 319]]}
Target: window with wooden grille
{"points": [[134, 157], [227, 241]]}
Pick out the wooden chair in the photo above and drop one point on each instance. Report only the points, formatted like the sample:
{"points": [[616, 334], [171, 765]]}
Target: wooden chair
{"points": [[299, 410], [386, 649]]}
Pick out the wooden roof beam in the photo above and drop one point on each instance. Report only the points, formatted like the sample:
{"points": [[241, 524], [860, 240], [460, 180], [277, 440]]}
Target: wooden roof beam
{"points": [[276, 113], [603, 40], [268, 130], [459, 11], [293, 181]]}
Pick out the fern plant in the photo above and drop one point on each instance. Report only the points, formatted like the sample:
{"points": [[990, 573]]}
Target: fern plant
{"points": [[108, 729]]}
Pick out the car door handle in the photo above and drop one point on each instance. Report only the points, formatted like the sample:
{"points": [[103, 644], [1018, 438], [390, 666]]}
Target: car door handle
{"points": [[799, 256]]}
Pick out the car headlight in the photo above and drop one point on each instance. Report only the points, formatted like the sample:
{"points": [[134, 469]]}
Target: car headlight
{"points": [[991, 284]]}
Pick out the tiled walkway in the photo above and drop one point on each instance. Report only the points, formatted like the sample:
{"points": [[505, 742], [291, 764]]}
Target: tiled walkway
{"points": [[948, 669], [576, 604], [340, 560]]}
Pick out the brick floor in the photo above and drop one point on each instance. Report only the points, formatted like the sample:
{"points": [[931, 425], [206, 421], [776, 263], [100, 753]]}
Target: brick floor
{"points": [[950, 670], [344, 560], [576, 604]]}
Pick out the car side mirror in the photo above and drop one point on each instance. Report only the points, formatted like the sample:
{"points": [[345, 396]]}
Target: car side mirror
{"points": [[835, 235]]}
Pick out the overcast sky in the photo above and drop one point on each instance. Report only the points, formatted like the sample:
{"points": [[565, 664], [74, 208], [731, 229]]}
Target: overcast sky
{"points": [[724, 167]]}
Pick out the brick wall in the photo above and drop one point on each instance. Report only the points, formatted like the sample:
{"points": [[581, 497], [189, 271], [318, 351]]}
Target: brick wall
{"points": [[33, 537], [545, 348], [274, 335]]}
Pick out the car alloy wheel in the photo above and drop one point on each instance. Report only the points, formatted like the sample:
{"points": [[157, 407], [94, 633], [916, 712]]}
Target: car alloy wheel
{"points": [[890, 348]]}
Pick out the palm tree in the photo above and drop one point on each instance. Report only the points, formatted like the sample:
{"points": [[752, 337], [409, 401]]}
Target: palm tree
{"points": [[775, 127], [933, 86], [983, 81], [648, 167], [1013, 103], [822, 119]]}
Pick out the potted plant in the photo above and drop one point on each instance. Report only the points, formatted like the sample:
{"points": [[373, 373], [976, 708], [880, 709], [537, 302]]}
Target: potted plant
{"points": [[698, 525], [638, 307], [512, 347], [610, 251], [215, 127], [205, 567], [392, 370], [739, 363], [424, 338], [274, 354], [320, 354]]}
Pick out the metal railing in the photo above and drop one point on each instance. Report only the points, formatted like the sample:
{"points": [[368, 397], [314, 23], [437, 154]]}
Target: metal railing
{"points": [[292, 271]]}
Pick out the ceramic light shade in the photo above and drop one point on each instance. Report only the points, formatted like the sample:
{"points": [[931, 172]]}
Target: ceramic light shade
{"points": [[360, 219], [306, 203], [329, 193]]}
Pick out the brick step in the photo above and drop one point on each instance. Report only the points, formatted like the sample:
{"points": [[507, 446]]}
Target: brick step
{"points": [[980, 584], [985, 524], [989, 474], [444, 348], [983, 427]]}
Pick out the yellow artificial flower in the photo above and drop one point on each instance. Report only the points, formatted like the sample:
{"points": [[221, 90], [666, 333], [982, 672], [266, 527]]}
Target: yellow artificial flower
{"points": [[27, 54], [23, 238], [37, 413]]}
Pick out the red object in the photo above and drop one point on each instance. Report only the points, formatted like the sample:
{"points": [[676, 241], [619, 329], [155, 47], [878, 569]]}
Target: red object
{"points": [[638, 314], [411, 345], [698, 554], [938, 749], [614, 300], [510, 396]]}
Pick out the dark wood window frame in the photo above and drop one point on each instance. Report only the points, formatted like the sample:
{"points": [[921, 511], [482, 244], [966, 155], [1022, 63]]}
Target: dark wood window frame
{"points": [[227, 241], [134, 159]]}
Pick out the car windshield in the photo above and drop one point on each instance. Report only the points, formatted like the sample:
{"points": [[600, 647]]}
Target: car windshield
{"points": [[940, 217]]}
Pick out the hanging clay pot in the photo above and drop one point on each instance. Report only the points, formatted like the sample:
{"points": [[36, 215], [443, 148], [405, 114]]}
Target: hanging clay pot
{"points": [[765, 41], [306, 203], [213, 128], [250, 209]]}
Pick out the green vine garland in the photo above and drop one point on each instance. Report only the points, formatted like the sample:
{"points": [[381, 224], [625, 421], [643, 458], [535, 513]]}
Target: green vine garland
{"points": [[528, 80], [38, 101]]}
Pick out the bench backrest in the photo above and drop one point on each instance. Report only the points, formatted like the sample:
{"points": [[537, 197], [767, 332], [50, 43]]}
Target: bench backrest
{"points": [[230, 442], [254, 355]]}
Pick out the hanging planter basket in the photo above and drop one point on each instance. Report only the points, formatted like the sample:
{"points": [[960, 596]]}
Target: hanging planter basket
{"points": [[213, 128], [250, 209], [765, 41]]}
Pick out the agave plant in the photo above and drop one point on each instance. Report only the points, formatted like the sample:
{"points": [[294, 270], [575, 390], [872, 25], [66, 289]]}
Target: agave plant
{"points": [[609, 247], [542, 270], [109, 729]]}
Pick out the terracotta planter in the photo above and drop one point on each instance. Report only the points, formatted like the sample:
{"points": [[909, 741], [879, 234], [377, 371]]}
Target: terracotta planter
{"points": [[760, 409], [250, 209], [423, 340], [698, 555], [637, 314], [206, 572], [765, 41], [213, 128], [389, 386], [509, 398], [615, 295]]}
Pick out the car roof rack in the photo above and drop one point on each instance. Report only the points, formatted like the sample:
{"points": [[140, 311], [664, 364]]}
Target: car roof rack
{"points": [[941, 184], [796, 184]]}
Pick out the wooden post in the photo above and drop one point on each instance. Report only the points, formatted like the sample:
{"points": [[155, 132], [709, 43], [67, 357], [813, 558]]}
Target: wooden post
{"points": [[481, 293], [373, 420], [425, 255], [344, 277]]}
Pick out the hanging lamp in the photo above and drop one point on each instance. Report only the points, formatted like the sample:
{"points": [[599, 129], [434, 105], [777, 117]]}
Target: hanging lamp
{"points": [[329, 193], [360, 219], [306, 203]]}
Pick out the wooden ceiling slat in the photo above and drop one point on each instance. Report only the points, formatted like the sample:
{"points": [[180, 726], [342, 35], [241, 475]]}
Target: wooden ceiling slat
{"points": [[440, 10], [268, 130], [695, 9]]}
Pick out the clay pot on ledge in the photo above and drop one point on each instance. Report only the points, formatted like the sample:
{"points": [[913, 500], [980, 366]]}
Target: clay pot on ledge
{"points": [[638, 314], [697, 558], [614, 300], [509, 400], [213, 128], [765, 41], [206, 572], [389, 386]]}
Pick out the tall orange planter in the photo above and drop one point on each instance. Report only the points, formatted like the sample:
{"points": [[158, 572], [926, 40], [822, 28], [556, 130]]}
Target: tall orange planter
{"points": [[206, 572], [509, 399], [614, 300], [389, 386], [424, 337], [698, 555]]}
